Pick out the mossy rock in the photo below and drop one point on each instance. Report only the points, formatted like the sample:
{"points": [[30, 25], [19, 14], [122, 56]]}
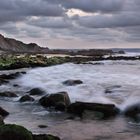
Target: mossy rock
{"points": [[14, 132], [45, 137]]}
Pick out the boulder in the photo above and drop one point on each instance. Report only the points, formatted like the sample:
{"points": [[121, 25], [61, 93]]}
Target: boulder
{"points": [[3, 81], [1, 120], [8, 94], [108, 110], [72, 82], [3, 112], [132, 111], [26, 98], [14, 132], [58, 100], [36, 91], [45, 137], [10, 76], [92, 115]]}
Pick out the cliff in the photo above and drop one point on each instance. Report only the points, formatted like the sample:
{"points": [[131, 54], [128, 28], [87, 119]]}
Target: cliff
{"points": [[12, 45]]}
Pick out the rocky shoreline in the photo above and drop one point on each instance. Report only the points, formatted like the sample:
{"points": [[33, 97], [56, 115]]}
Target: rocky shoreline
{"points": [[11, 62], [57, 101]]}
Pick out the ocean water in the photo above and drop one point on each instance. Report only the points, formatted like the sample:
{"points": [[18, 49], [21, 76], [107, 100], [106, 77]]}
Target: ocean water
{"points": [[121, 78]]}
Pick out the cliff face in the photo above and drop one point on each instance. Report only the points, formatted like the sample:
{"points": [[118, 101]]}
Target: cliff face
{"points": [[12, 45]]}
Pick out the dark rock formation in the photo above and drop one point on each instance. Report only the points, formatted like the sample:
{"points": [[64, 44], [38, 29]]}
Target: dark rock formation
{"points": [[12, 45], [26, 98], [108, 110], [133, 111], [36, 91], [72, 82], [58, 100], [8, 94], [1, 120], [14, 132], [45, 137], [3, 112]]}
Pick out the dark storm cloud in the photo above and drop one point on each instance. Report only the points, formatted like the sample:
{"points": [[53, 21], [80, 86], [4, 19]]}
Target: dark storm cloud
{"points": [[17, 10]]}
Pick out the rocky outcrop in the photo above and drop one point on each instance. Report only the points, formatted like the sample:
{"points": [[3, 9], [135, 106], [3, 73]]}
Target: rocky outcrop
{"points": [[133, 111], [45, 137], [26, 98], [1, 120], [3, 112], [72, 82], [59, 101], [14, 132], [8, 94], [12, 45], [107, 110], [36, 91]]}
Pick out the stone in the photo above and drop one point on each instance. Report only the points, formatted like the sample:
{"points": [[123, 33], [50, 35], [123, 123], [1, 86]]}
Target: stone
{"points": [[3, 112], [45, 137], [36, 91], [8, 94], [132, 111], [78, 108], [58, 100], [1, 120], [26, 98], [72, 82], [42, 126], [14, 132]]}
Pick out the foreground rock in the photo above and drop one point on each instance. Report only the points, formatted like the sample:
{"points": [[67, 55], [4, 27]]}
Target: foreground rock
{"points": [[1, 120], [14, 132], [36, 91], [72, 82], [103, 110], [3, 112], [59, 101], [11, 76], [26, 98], [45, 137], [8, 94], [133, 111]]}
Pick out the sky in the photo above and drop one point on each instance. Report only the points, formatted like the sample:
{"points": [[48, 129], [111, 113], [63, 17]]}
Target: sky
{"points": [[72, 24]]}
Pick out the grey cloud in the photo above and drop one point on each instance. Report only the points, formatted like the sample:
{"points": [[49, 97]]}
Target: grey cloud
{"points": [[92, 5], [110, 21], [15, 10], [57, 22]]}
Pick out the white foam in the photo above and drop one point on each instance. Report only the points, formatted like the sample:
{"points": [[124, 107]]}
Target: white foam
{"points": [[96, 78]]}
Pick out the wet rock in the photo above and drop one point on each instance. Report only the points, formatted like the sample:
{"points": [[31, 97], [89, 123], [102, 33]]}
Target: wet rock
{"points": [[45, 137], [111, 89], [3, 81], [26, 98], [15, 85], [133, 111], [3, 112], [92, 115], [58, 100], [8, 94], [14, 132], [42, 126], [36, 91], [10, 76], [108, 110], [1, 120], [72, 82]]}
